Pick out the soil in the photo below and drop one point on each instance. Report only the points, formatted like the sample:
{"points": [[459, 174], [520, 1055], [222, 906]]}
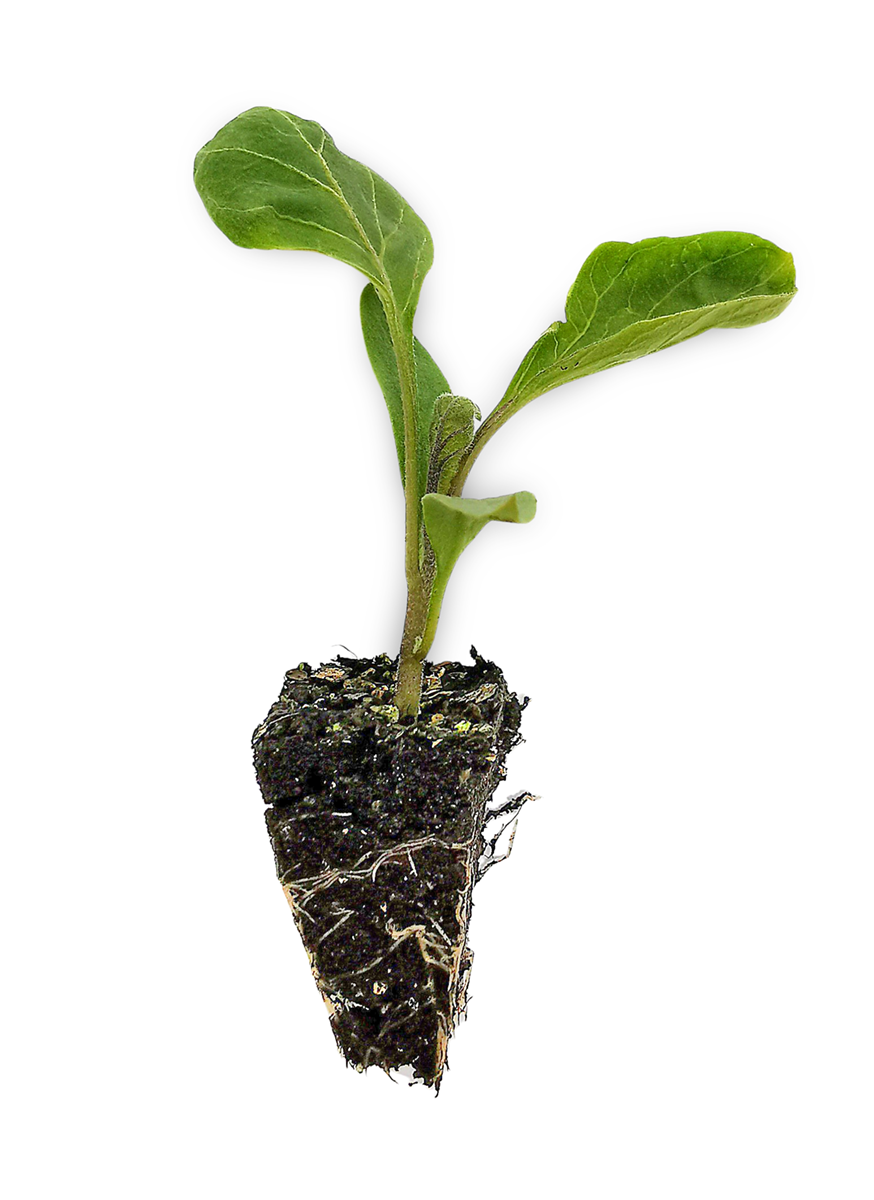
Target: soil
{"points": [[377, 828]]}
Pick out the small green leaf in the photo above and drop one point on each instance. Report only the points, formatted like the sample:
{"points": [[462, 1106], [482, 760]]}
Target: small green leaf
{"points": [[453, 522], [451, 434], [271, 180], [632, 299], [429, 378]]}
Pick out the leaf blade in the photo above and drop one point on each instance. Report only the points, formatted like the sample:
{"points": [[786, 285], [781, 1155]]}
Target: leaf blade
{"points": [[271, 180], [452, 522], [633, 299]]}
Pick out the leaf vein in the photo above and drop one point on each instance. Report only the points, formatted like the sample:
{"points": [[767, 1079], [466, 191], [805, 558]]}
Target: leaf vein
{"points": [[287, 217], [271, 158], [691, 275], [376, 210], [599, 296]]}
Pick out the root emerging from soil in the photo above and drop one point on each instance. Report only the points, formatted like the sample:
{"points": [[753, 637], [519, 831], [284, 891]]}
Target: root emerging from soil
{"points": [[377, 830]]}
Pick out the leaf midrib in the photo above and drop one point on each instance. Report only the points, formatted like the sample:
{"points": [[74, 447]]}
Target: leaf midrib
{"points": [[341, 196], [333, 188]]}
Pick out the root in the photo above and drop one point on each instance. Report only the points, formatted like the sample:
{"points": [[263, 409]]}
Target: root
{"points": [[511, 809], [447, 959], [305, 888]]}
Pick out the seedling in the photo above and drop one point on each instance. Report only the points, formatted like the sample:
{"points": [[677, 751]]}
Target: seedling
{"points": [[409, 775]]}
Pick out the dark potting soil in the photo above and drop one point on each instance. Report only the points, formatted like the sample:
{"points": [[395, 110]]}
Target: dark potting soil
{"points": [[377, 830]]}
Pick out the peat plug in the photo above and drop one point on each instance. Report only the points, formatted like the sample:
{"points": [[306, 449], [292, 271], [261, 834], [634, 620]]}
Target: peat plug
{"points": [[377, 830]]}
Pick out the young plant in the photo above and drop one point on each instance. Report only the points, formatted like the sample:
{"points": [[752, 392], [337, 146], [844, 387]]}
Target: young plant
{"points": [[271, 180]]}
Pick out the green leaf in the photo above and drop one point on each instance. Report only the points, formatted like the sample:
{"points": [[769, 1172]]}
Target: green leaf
{"points": [[453, 522], [271, 180], [431, 381], [632, 299], [451, 434]]}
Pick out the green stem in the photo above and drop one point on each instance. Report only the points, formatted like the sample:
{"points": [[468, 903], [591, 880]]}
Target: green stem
{"points": [[408, 691]]}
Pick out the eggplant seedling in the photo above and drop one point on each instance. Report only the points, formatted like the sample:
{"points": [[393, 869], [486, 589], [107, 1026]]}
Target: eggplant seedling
{"points": [[378, 774]]}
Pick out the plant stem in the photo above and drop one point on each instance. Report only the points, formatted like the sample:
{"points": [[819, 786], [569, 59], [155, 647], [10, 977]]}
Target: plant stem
{"points": [[408, 692]]}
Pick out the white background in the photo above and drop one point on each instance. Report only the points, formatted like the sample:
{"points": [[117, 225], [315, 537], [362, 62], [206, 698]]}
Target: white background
{"points": [[672, 993]]}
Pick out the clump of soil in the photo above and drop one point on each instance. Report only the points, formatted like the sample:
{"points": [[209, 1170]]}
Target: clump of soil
{"points": [[377, 830]]}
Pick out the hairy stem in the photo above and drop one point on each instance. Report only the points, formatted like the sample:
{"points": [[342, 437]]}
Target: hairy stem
{"points": [[408, 692]]}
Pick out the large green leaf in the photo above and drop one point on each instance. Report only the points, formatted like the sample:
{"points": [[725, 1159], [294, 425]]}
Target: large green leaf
{"points": [[430, 380], [632, 299], [271, 180]]}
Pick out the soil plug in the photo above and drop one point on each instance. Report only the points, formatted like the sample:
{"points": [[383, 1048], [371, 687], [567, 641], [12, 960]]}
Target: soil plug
{"points": [[379, 774]]}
